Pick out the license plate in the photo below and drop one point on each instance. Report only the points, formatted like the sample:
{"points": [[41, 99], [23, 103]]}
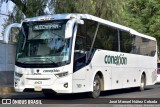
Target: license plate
{"points": [[37, 88]]}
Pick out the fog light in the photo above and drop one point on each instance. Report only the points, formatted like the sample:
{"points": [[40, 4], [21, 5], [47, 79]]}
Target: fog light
{"points": [[66, 85]]}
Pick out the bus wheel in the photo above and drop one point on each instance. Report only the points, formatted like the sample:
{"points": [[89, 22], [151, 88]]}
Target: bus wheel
{"points": [[49, 95], [143, 83], [96, 87]]}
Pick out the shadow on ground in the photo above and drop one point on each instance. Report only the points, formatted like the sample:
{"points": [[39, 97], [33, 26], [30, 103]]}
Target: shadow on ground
{"points": [[81, 98], [68, 97]]}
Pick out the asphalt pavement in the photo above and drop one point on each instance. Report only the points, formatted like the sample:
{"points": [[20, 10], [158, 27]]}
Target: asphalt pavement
{"points": [[82, 100]]}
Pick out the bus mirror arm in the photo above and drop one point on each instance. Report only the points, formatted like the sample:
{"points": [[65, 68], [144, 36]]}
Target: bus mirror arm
{"points": [[95, 34], [70, 25], [8, 29], [80, 21]]}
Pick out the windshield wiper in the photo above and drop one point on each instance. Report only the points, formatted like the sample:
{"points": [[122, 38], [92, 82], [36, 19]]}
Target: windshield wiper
{"points": [[36, 36], [43, 61], [38, 63], [49, 60]]}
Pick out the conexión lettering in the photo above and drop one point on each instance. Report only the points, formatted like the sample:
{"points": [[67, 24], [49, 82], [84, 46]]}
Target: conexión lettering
{"points": [[117, 60]]}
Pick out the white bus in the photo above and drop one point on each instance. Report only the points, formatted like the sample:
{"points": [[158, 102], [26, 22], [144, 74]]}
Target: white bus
{"points": [[75, 53]]}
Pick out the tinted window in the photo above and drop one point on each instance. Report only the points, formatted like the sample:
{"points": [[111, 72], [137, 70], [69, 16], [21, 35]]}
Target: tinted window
{"points": [[107, 38], [84, 39], [143, 46], [85, 34], [125, 42]]}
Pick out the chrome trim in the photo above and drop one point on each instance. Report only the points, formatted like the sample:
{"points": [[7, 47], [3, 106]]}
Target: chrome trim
{"points": [[38, 78]]}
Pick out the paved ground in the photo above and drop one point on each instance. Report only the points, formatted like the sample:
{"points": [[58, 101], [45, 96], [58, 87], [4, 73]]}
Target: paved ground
{"points": [[81, 100]]}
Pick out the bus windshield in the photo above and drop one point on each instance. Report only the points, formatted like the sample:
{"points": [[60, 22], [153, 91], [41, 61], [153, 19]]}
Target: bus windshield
{"points": [[44, 43]]}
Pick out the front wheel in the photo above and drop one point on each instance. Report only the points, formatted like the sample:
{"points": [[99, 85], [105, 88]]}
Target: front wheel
{"points": [[96, 87]]}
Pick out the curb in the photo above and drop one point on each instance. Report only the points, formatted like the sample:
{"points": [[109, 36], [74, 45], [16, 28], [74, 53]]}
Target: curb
{"points": [[6, 90]]}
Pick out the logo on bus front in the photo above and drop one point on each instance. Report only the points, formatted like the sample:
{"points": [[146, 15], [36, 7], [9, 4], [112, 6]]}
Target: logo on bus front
{"points": [[117, 60], [51, 71]]}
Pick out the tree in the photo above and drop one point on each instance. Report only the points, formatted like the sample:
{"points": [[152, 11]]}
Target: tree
{"points": [[107, 9], [24, 8], [31, 8], [144, 16]]}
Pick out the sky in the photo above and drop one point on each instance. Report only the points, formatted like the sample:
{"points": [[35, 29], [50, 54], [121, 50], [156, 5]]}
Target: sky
{"points": [[6, 7]]}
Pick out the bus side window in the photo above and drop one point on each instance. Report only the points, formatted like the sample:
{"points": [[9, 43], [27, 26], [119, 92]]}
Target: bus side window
{"points": [[126, 42], [79, 47], [79, 53], [79, 44], [107, 38], [83, 42], [143, 46]]}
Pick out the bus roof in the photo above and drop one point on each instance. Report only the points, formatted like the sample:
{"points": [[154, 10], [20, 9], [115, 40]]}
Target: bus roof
{"points": [[91, 17]]}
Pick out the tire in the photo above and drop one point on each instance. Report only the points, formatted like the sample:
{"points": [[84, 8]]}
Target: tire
{"points": [[143, 83], [96, 87]]}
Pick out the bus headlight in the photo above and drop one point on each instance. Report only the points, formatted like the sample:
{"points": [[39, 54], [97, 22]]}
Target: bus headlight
{"points": [[61, 74], [18, 74]]}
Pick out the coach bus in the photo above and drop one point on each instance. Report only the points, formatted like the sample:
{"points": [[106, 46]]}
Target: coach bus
{"points": [[75, 53]]}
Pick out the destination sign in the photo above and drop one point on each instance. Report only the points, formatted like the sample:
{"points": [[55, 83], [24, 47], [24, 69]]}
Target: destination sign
{"points": [[54, 26]]}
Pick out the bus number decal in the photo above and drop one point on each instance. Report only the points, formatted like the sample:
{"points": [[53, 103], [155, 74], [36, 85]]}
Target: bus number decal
{"points": [[38, 82]]}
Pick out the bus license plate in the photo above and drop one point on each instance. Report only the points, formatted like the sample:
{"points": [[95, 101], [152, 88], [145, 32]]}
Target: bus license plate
{"points": [[37, 88]]}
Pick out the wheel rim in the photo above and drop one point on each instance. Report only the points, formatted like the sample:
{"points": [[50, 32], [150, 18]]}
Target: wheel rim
{"points": [[142, 82], [96, 86]]}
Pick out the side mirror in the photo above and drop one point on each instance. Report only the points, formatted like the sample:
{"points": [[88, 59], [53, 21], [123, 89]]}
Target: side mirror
{"points": [[8, 29], [69, 27]]}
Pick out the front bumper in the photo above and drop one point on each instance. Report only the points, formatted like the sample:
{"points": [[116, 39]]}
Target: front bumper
{"points": [[40, 84]]}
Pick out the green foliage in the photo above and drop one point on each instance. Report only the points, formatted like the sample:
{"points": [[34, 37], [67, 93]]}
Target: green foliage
{"points": [[144, 16], [28, 8], [108, 9]]}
